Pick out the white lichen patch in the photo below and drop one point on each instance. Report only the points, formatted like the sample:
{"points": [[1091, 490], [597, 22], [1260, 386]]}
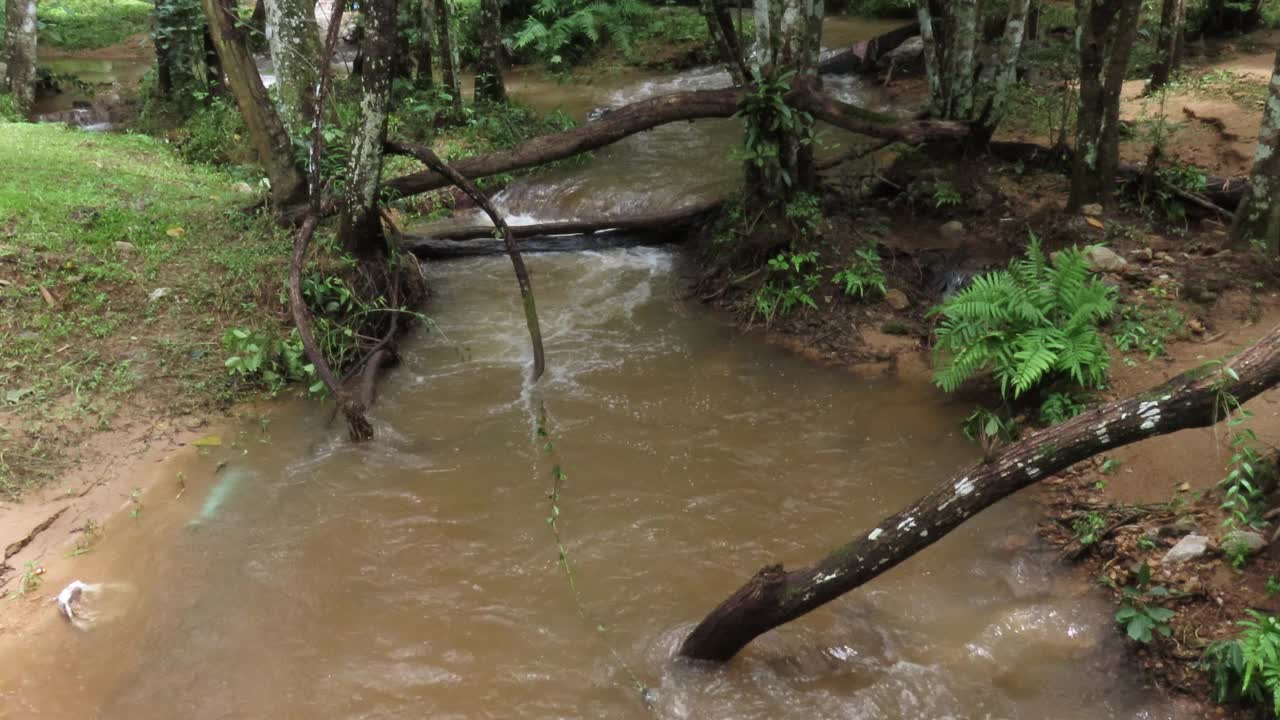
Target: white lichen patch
{"points": [[907, 523], [826, 578], [964, 487], [875, 534]]}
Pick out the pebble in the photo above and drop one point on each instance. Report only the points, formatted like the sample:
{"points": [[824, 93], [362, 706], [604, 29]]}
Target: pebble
{"points": [[1191, 547]]}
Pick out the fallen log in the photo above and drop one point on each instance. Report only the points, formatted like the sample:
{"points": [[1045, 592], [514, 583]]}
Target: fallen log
{"points": [[428, 248], [646, 221], [647, 114], [865, 57], [775, 596]]}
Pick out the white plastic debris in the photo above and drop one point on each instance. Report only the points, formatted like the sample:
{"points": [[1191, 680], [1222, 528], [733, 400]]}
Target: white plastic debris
{"points": [[68, 597]]}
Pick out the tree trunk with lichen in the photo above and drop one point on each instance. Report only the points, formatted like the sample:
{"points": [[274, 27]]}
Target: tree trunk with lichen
{"points": [[20, 51], [1258, 217], [293, 39], [779, 150], [266, 131], [951, 34], [425, 46], [360, 227], [1105, 34], [775, 596]]}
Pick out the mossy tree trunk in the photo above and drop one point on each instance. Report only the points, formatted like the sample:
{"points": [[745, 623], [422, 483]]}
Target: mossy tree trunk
{"points": [[266, 130], [775, 596], [20, 51], [293, 39], [1105, 34], [449, 70], [1169, 42], [1258, 217], [360, 228], [179, 37], [488, 81]]}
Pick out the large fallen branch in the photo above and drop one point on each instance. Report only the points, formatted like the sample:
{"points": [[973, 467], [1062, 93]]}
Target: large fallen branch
{"points": [[584, 226], [775, 596], [865, 56], [648, 114], [426, 156]]}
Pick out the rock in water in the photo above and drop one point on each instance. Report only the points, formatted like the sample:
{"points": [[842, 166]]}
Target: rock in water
{"points": [[1190, 547], [1103, 259]]}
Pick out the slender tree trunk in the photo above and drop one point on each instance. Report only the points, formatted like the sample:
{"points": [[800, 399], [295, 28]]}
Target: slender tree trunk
{"points": [[20, 51], [293, 39], [426, 46], [181, 55], [266, 131], [1258, 217], [774, 596], [932, 69], [726, 44], [1173, 14], [963, 41], [1006, 72], [1105, 33], [488, 82], [448, 57], [360, 228]]}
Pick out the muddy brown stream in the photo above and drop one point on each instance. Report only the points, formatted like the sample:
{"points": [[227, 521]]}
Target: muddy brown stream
{"points": [[299, 576]]}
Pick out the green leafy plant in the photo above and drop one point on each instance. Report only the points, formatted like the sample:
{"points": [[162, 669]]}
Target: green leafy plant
{"points": [[31, 579], [9, 110], [945, 194], [1139, 614], [768, 117], [1241, 490], [1029, 323], [1272, 588], [1110, 466], [864, 275], [1060, 407], [1260, 651], [797, 281], [560, 32], [1087, 529], [1140, 330], [258, 357], [989, 429]]}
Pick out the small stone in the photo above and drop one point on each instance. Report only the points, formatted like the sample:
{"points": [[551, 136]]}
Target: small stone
{"points": [[1191, 547], [157, 294], [1143, 255], [897, 299], [891, 327], [1091, 210], [953, 230], [1103, 259], [1248, 538], [243, 187], [125, 248]]}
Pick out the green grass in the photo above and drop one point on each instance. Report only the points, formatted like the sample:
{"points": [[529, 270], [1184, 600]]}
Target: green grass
{"points": [[80, 339], [88, 24]]}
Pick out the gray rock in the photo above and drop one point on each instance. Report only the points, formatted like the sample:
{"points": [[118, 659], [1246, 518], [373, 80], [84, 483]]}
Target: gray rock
{"points": [[1103, 259], [1190, 547], [897, 299], [909, 50], [1250, 539], [125, 248], [1091, 210], [953, 230], [1184, 525]]}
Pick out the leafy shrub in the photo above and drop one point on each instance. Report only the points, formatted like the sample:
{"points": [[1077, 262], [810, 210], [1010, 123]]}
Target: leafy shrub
{"points": [[81, 24], [258, 357], [1248, 668], [864, 275], [1026, 324], [213, 135], [1060, 407], [797, 285], [9, 111], [560, 32], [1087, 528], [1138, 613]]}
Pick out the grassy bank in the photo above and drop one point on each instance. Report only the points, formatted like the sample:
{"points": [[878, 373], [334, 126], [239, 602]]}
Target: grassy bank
{"points": [[120, 269]]}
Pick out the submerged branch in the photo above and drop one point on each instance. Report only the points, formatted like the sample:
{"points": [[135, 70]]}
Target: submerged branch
{"points": [[428, 157]]}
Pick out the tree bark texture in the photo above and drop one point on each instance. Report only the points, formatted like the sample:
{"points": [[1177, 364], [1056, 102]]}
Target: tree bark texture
{"points": [[646, 114], [775, 596], [20, 51], [449, 71], [433, 161], [1258, 217], [1105, 33], [725, 39], [426, 44], [1169, 42], [360, 228], [1006, 70], [488, 81], [293, 39], [266, 131]]}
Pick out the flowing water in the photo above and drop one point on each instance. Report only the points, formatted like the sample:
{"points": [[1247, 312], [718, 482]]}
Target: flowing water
{"points": [[299, 576]]}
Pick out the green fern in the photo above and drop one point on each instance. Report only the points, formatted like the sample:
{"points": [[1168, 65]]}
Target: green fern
{"points": [[1260, 647], [560, 30], [1034, 321]]}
